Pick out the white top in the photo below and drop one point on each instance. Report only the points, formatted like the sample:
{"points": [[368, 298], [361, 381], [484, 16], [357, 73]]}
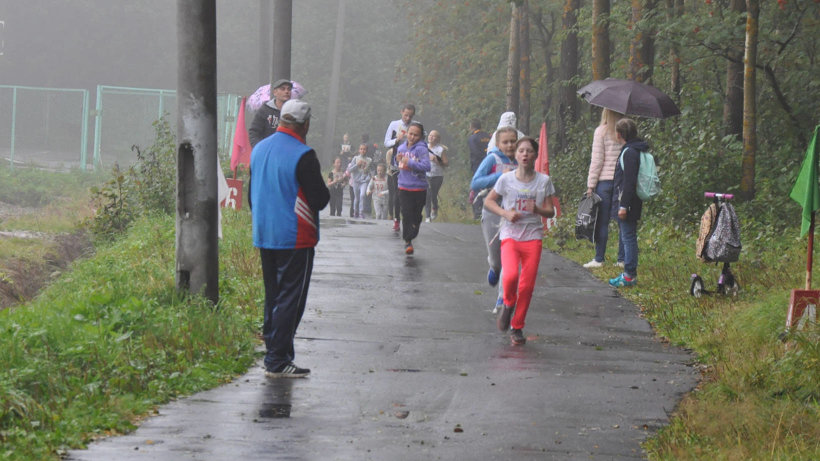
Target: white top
{"points": [[514, 195], [435, 168]]}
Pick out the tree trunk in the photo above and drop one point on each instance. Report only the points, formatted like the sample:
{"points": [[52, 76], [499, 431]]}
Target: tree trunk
{"points": [[747, 180], [600, 39], [335, 82], [568, 105], [513, 63], [733, 103], [674, 10], [642, 46], [524, 71]]}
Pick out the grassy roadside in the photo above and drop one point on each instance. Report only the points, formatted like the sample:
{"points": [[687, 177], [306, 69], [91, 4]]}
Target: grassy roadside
{"points": [[108, 341], [756, 400]]}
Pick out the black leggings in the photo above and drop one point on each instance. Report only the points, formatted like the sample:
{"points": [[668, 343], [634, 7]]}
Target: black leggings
{"points": [[412, 206], [432, 193], [393, 202], [336, 200]]}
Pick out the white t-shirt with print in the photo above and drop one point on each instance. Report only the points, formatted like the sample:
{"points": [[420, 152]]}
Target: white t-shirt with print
{"points": [[514, 195]]}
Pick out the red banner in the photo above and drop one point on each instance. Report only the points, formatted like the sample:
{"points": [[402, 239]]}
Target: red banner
{"points": [[234, 199]]}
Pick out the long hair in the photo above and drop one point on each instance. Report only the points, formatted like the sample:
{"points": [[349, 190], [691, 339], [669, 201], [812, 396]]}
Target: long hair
{"points": [[609, 118]]}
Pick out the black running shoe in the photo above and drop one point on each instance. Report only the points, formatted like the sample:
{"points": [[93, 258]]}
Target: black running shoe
{"points": [[287, 371], [517, 337], [504, 317]]}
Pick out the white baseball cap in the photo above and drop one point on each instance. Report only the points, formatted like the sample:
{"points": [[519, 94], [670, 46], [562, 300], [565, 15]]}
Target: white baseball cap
{"points": [[295, 110]]}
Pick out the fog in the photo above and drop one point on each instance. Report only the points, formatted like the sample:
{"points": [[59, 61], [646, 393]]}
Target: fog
{"points": [[85, 43]]}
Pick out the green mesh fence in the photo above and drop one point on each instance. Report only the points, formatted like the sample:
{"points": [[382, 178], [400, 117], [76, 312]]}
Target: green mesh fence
{"points": [[124, 118], [43, 127]]}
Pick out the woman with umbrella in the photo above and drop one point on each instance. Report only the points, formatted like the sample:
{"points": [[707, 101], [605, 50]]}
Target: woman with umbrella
{"points": [[605, 152]]}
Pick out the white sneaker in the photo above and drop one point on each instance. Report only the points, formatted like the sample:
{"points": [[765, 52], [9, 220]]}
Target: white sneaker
{"points": [[593, 264], [619, 264], [427, 220]]}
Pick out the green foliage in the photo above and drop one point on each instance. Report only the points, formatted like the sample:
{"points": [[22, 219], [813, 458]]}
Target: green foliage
{"points": [[146, 187], [102, 346], [29, 187]]}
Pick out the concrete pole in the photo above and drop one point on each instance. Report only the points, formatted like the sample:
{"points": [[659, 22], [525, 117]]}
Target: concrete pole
{"points": [[265, 39], [335, 76], [282, 25], [197, 256]]}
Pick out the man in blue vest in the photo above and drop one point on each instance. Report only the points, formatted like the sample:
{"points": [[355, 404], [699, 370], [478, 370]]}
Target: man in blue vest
{"points": [[287, 192]]}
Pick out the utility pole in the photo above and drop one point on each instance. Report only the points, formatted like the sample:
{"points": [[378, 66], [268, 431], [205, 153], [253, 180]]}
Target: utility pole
{"points": [[282, 25], [265, 39], [197, 254], [335, 76]]}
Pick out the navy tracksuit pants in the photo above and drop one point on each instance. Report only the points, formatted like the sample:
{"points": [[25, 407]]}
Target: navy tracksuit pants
{"points": [[286, 274]]}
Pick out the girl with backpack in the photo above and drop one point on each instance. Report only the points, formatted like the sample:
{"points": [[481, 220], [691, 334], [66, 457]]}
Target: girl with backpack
{"points": [[626, 204], [499, 160]]}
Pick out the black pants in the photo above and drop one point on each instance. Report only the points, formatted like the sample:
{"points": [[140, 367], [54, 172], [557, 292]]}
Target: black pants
{"points": [[432, 194], [393, 202], [286, 274], [352, 199], [412, 207], [336, 199]]}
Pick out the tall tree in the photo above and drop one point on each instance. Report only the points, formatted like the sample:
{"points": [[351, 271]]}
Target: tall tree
{"points": [[600, 39], [524, 71], [674, 10], [733, 102], [642, 45], [513, 62], [568, 106], [747, 180]]}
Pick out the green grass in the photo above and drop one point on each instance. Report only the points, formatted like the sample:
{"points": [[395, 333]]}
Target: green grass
{"points": [[111, 339], [757, 400]]}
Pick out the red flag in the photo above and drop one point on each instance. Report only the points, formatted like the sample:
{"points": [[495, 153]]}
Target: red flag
{"points": [[241, 153], [542, 165]]}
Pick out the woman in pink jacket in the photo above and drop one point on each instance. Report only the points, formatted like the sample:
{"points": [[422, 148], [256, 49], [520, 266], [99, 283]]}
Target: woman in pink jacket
{"points": [[605, 152]]}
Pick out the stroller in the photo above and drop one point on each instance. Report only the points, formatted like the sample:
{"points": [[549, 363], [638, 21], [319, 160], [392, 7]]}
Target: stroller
{"points": [[718, 241]]}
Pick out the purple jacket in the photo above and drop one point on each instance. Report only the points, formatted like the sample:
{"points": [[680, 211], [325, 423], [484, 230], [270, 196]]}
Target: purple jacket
{"points": [[416, 177]]}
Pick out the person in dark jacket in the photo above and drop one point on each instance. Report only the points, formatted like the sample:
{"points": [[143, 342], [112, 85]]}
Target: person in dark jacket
{"points": [[266, 118], [625, 204], [477, 141]]}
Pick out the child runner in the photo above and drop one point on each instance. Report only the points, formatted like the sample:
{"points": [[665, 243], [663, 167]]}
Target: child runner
{"points": [[359, 178], [499, 160], [378, 190], [438, 161], [626, 204], [525, 197], [336, 182], [413, 160]]}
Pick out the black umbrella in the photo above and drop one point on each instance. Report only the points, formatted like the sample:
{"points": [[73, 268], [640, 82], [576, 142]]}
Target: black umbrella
{"points": [[629, 97]]}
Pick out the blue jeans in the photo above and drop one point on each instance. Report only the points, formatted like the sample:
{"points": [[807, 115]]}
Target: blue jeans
{"points": [[604, 190], [629, 237]]}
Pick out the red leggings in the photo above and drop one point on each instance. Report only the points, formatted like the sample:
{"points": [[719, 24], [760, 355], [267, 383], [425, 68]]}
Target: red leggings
{"points": [[528, 256]]}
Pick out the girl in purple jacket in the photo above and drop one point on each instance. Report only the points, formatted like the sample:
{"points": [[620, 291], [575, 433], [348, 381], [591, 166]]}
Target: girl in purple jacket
{"points": [[413, 160]]}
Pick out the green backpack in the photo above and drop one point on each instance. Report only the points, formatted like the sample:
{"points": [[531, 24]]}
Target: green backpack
{"points": [[649, 185]]}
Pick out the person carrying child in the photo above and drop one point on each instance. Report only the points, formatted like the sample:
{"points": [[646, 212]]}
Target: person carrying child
{"points": [[498, 160], [336, 182], [378, 190], [526, 197], [625, 202], [359, 169]]}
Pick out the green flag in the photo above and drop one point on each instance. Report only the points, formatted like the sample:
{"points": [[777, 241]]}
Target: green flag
{"points": [[806, 191]]}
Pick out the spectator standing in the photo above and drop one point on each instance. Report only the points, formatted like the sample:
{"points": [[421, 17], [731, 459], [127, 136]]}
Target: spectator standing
{"points": [[393, 138], [287, 192], [477, 142], [413, 160], [627, 205], [605, 151], [266, 119], [438, 162]]}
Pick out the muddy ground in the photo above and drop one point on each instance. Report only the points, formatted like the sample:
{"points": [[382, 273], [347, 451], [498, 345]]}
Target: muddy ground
{"points": [[22, 277]]}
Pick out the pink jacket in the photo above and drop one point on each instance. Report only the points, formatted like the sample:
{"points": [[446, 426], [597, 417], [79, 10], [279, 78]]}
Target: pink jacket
{"points": [[605, 152]]}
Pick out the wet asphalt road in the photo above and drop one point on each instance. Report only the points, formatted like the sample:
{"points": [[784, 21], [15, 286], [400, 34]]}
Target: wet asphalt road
{"points": [[407, 364]]}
